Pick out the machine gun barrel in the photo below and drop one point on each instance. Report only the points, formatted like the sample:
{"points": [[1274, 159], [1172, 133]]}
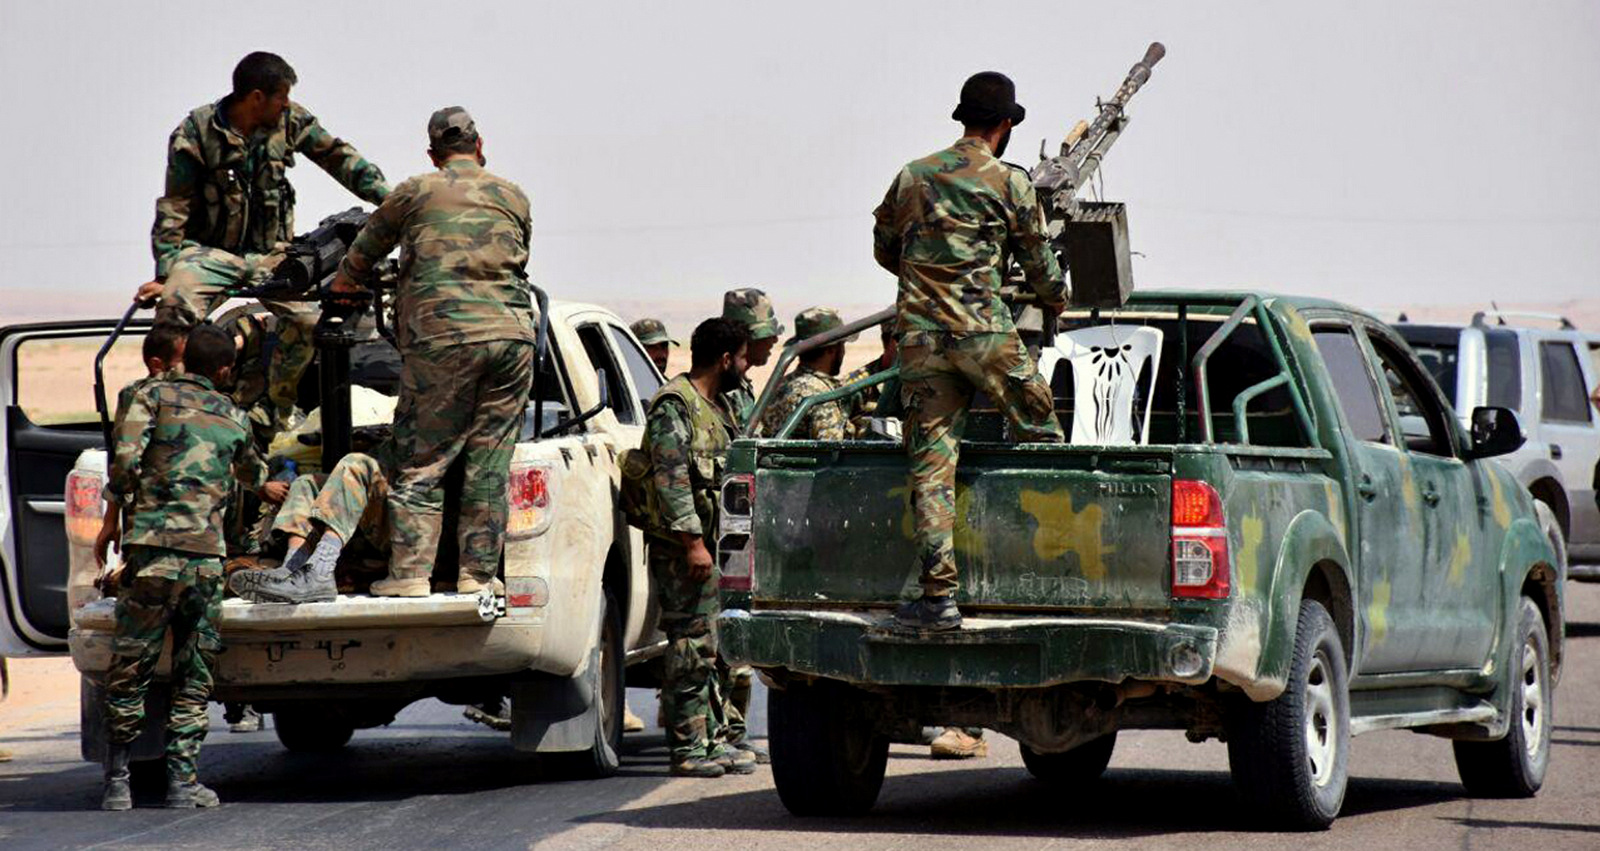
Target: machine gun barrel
{"points": [[1062, 176], [311, 260]]}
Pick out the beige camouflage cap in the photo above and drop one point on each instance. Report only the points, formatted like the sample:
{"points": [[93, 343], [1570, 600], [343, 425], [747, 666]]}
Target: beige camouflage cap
{"points": [[812, 321], [651, 332], [751, 308], [450, 125]]}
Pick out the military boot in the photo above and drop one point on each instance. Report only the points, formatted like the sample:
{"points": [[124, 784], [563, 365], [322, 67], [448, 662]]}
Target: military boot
{"points": [[469, 584], [929, 614], [118, 794], [696, 766], [312, 583], [187, 795], [733, 760], [762, 756], [956, 743], [396, 587]]}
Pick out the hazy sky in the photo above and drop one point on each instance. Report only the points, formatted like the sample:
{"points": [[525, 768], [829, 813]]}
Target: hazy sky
{"points": [[1380, 152]]}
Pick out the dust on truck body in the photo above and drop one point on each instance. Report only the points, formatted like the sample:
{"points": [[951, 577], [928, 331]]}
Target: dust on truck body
{"points": [[1293, 469]]}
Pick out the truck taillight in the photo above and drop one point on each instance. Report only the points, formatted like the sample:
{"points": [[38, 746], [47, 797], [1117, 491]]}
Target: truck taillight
{"points": [[530, 499], [85, 506], [1199, 541], [736, 551]]}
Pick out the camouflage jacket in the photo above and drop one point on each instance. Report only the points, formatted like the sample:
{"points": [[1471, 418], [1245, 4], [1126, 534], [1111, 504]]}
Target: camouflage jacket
{"points": [[464, 236], [225, 191], [687, 438], [175, 463], [865, 402], [826, 421], [736, 403], [948, 228]]}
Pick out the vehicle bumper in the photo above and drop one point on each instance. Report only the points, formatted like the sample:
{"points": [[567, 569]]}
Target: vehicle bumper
{"points": [[865, 647], [355, 640]]}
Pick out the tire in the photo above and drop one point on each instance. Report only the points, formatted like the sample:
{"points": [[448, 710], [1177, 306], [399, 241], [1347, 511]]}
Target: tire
{"points": [[1550, 525], [311, 730], [1078, 767], [1289, 756], [605, 677], [1514, 766], [828, 759]]}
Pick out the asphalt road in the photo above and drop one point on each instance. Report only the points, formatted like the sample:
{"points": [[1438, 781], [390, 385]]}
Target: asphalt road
{"points": [[433, 779]]}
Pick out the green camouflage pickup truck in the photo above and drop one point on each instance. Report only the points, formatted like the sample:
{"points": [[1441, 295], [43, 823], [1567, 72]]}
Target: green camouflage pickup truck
{"points": [[1267, 527]]}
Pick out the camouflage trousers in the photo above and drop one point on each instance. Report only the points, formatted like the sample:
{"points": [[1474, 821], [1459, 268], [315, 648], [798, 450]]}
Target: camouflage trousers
{"points": [[466, 403], [734, 683], [939, 374], [353, 499], [165, 590], [198, 283], [691, 695]]}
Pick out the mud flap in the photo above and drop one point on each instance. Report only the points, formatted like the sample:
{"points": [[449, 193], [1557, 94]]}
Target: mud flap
{"points": [[152, 740], [551, 714]]}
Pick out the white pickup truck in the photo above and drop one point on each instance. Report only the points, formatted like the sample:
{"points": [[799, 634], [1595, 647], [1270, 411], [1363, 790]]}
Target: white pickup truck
{"points": [[575, 614]]}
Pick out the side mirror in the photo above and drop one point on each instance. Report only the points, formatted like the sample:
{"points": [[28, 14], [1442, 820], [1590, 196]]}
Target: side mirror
{"points": [[1495, 431]]}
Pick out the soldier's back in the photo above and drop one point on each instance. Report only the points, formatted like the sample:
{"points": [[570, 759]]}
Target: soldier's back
{"points": [[186, 471]]}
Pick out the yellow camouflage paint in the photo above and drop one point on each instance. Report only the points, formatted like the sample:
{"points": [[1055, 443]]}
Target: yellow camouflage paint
{"points": [[1335, 509], [1250, 534], [1378, 611], [968, 539], [1064, 530], [1460, 557], [1502, 509]]}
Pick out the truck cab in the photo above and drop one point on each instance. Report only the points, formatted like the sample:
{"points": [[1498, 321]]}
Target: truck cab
{"points": [[575, 614]]}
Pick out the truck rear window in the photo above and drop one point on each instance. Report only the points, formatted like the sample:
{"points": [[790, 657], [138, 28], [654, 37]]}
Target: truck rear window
{"points": [[1244, 360]]}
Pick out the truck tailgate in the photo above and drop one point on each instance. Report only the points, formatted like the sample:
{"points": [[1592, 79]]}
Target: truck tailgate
{"points": [[1036, 527], [347, 612]]}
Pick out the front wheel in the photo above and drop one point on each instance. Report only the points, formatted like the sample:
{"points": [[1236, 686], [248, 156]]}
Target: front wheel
{"points": [[1514, 766], [1078, 767], [828, 757], [605, 681], [1289, 755]]}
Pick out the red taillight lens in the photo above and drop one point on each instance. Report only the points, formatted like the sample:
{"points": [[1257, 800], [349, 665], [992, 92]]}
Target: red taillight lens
{"points": [[1200, 563], [1195, 503], [85, 506], [529, 498]]}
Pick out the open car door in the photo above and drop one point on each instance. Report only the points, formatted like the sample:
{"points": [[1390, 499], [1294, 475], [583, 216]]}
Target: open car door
{"points": [[47, 387]]}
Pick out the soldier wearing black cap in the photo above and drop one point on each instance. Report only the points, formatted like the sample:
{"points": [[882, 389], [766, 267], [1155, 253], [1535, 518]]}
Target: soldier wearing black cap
{"points": [[947, 229]]}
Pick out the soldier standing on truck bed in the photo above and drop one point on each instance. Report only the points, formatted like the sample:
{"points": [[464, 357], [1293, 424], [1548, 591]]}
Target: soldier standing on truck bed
{"points": [[686, 440], [228, 210], [464, 327], [817, 373], [173, 468], [947, 228]]}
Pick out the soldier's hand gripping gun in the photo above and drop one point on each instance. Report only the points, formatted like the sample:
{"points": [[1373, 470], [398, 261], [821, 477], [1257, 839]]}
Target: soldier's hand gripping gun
{"points": [[310, 261], [1090, 237]]}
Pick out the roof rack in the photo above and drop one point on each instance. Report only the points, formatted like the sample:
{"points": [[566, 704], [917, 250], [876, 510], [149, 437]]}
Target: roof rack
{"points": [[1500, 317]]}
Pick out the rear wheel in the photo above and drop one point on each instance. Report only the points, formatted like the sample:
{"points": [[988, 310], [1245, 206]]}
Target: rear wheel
{"points": [[1080, 766], [605, 680], [1514, 767], [828, 758], [311, 729], [1289, 755]]}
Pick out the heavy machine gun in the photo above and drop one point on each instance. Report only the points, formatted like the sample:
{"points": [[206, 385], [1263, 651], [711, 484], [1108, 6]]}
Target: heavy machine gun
{"points": [[307, 269], [1090, 237]]}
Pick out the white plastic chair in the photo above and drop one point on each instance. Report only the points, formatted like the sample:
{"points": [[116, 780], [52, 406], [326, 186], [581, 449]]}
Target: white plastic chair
{"points": [[1106, 362]]}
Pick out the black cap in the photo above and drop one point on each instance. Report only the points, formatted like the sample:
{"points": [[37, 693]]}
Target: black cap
{"points": [[988, 98]]}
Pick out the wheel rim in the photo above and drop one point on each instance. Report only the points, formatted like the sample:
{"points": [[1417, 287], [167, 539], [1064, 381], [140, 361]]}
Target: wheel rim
{"points": [[1322, 721], [1532, 697]]}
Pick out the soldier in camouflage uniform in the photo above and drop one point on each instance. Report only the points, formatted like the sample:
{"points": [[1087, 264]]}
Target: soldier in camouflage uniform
{"points": [[686, 437], [163, 358], [228, 209], [947, 229], [319, 518], [751, 308], [653, 336], [464, 326], [864, 405], [817, 373], [173, 471]]}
